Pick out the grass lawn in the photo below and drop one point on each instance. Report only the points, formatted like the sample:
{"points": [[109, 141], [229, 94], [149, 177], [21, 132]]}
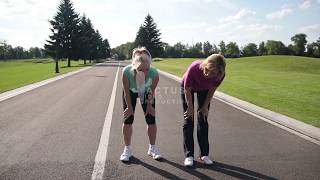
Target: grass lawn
{"points": [[289, 85], [17, 73]]}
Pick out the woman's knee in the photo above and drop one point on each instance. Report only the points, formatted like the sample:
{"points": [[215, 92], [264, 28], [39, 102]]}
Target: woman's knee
{"points": [[150, 119], [128, 120]]}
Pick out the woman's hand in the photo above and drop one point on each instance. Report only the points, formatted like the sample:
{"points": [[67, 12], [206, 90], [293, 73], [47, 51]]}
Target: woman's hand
{"points": [[204, 111], [189, 113], [150, 110], [127, 113]]}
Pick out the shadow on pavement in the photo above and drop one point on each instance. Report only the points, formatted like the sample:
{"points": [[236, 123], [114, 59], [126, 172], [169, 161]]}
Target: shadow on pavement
{"points": [[190, 170], [219, 167], [161, 172], [234, 171]]}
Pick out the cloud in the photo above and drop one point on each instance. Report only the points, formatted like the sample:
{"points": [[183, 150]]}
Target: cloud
{"points": [[241, 32], [279, 14], [305, 4], [311, 28], [242, 13]]}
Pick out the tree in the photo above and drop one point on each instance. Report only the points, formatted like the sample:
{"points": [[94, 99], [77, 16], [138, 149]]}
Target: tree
{"points": [[107, 49], [168, 51], [149, 36], [207, 48], [123, 51], [85, 35], [275, 47], [250, 50], [299, 44], [63, 42], [317, 48], [4, 50], [222, 47], [311, 49], [215, 50], [35, 52], [54, 46], [290, 49], [262, 49], [232, 50], [180, 49], [194, 51]]}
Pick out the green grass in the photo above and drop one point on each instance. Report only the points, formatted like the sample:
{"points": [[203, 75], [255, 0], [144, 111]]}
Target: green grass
{"points": [[289, 85], [17, 73]]}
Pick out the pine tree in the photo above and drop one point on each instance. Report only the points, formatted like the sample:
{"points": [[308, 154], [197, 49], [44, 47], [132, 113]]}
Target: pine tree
{"points": [[85, 28], [107, 49], [54, 47], [149, 36], [63, 43]]}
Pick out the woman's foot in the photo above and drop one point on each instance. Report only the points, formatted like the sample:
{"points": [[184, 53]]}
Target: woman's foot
{"points": [[188, 162], [154, 152], [127, 153], [206, 160]]}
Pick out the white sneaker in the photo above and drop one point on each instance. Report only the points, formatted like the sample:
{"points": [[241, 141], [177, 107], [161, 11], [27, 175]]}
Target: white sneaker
{"points": [[154, 152], [206, 160], [188, 161], [127, 153]]}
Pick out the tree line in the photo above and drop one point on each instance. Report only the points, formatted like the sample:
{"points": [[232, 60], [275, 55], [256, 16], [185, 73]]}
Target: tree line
{"points": [[9, 52], [149, 36]]}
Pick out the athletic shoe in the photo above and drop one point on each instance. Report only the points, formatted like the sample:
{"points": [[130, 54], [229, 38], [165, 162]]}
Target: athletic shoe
{"points": [[206, 160], [188, 161], [154, 152], [127, 153]]}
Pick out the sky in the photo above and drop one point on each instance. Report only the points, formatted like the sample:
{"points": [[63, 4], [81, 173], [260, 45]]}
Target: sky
{"points": [[25, 22]]}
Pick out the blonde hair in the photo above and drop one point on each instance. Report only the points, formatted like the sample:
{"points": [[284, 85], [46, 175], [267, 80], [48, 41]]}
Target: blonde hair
{"points": [[215, 62], [141, 57]]}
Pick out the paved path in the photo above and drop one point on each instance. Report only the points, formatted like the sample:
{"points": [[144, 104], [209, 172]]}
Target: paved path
{"points": [[54, 132]]}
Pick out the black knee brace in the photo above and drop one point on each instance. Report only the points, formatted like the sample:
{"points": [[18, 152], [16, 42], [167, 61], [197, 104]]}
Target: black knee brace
{"points": [[129, 120], [150, 119]]}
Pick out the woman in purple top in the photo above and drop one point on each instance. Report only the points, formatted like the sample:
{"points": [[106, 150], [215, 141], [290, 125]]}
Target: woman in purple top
{"points": [[202, 78]]}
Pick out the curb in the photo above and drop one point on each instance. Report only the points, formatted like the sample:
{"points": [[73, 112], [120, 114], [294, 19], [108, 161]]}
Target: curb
{"points": [[15, 92], [294, 126]]}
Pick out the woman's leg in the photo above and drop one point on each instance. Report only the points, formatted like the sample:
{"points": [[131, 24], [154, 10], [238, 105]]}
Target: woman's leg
{"points": [[127, 123], [188, 143], [152, 128], [202, 125], [150, 120]]}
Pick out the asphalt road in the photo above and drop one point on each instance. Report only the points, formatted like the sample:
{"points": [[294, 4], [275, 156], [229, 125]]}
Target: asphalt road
{"points": [[53, 132]]}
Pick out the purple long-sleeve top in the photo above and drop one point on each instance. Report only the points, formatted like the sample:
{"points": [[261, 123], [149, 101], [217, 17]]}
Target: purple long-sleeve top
{"points": [[196, 80]]}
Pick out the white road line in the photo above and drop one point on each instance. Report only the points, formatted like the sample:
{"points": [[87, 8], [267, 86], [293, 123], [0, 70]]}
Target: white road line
{"points": [[101, 155]]}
